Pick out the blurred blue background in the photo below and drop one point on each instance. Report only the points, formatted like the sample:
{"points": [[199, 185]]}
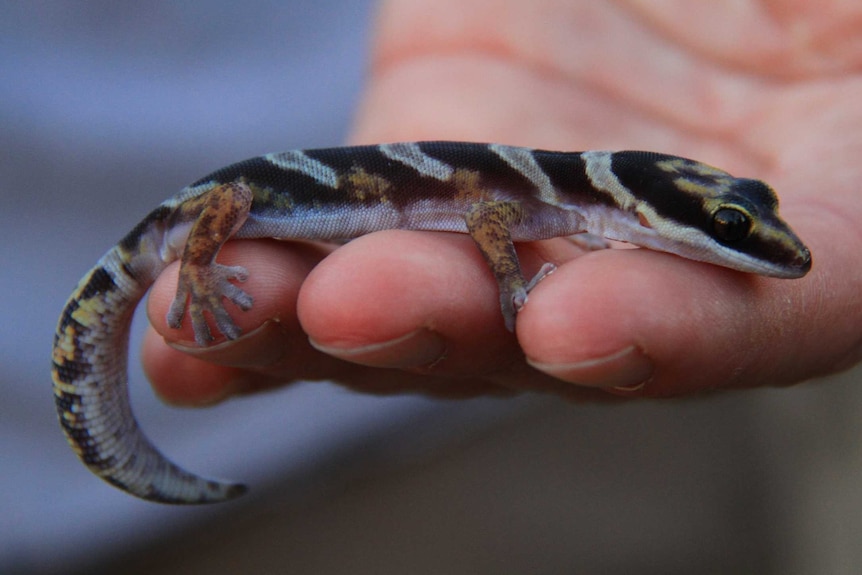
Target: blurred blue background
{"points": [[106, 109]]}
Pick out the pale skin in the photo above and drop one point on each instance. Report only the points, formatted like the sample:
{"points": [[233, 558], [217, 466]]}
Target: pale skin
{"points": [[762, 89]]}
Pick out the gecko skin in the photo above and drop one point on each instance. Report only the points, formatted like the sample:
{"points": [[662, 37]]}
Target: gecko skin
{"points": [[498, 194]]}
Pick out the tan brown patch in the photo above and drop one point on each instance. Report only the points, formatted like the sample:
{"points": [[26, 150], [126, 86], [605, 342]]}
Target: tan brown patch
{"points": [[90, 311], [65, 348], [699, 189], [696, 178], [683, 166], [360, 185], [468, 184], [265, 196]]}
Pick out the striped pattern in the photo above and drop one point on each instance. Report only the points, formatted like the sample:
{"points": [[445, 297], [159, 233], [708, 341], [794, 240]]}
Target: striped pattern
{"points": [[494, 192], [297, 161], [411, 155]]}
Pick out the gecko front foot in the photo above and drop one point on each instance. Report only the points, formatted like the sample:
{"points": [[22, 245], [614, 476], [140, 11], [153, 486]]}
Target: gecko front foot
{"points": [[203, 289]]}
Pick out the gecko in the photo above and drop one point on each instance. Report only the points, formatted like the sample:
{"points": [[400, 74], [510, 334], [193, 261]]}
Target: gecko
{"points": [[497, 194]]}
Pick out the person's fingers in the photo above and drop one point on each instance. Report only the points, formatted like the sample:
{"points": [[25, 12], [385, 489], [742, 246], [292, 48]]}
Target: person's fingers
{"points": [[392, 312], [428, 304], [594, 322], [419, 312], [408, 300], [182, 379], [624, 318], [632, 318], [271, 335]]}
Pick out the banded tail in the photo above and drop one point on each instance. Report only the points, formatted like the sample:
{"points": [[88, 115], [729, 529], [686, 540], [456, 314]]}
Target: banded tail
{"points": [[90, 374]]}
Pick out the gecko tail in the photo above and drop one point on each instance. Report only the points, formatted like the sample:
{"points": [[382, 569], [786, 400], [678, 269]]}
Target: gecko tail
{"points": [[90, 378]]}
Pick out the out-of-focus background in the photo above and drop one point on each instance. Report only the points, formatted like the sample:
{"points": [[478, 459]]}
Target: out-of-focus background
{"points": [[106, 109]]}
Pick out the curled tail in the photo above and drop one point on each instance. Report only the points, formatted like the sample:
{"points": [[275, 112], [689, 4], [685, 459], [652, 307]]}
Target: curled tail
{"points": [[90, 379]]}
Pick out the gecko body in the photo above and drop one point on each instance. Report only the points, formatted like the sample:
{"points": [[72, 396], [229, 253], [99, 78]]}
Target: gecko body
{"points": [[497, 194]]}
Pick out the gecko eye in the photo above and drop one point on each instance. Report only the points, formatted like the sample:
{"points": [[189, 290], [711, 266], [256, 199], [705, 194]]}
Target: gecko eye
{"points": [[731, 225]]}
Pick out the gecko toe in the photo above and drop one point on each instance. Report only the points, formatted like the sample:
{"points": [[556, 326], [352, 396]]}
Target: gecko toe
{"points": [[203, 335], [226, 324], [547, 269], [237, 273], [178, 307], [239, 297]]}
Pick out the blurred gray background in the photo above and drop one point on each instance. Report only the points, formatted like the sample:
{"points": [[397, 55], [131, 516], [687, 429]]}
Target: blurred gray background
{"points": [[106, 109]]}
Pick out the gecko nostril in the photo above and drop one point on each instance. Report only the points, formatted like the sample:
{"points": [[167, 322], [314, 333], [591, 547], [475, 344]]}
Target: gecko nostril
{"points": [[803, 260]]}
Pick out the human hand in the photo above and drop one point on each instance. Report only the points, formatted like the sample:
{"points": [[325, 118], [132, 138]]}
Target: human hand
{"points": [[771, 95]]}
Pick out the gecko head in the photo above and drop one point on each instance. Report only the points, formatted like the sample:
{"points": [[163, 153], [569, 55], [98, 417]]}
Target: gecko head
{"points": [[705, 214]]}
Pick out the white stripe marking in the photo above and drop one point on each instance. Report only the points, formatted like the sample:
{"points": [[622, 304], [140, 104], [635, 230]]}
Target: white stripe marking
{"points": [[297, 161], [597, 165], [522, 160], [188, 193], [409, 154]]}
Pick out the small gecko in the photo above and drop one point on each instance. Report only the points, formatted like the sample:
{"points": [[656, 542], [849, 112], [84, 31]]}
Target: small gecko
{"points": [[498, 194]]}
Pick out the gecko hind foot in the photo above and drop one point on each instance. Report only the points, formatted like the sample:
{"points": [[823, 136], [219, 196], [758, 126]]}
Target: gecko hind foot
{"points": [[202, 289], [513, 297]]}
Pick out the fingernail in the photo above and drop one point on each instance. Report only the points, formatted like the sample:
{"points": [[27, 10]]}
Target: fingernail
{"points": [[417, 349], [260, 347], [627, 390], [626, 370]]}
